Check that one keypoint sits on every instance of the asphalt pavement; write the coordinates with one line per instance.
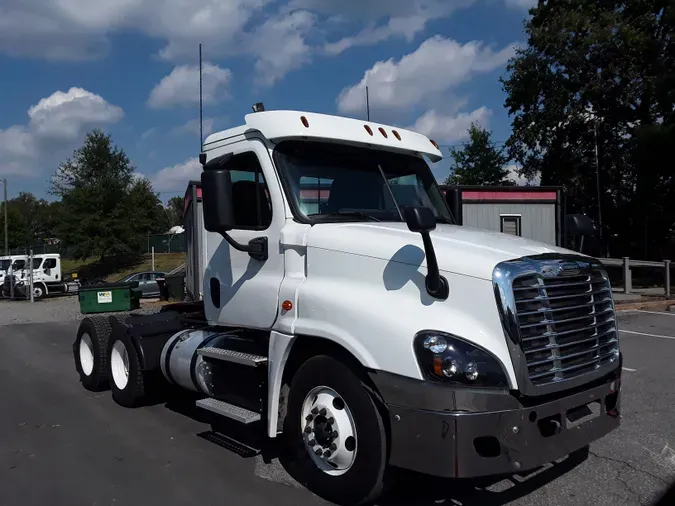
(63, 446)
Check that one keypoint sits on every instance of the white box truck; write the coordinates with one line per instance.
(346, 315)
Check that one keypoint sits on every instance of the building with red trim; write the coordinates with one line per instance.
(533, 212)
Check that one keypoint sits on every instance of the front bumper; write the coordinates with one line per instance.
(475, 440)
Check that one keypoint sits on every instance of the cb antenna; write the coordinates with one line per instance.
(367, 104)
(201, 108)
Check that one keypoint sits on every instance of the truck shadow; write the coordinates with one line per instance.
(407, 489)
(413, 489)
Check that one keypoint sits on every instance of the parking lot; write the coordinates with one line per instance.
(62, 445)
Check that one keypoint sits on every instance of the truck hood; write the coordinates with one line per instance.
(461, 250)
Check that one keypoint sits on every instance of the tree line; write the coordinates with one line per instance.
(591, 98)
(103, 207)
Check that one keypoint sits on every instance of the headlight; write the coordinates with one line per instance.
(449, 359)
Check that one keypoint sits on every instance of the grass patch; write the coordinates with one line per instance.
(114, 268)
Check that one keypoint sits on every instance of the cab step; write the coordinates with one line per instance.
(228, 410)
(237, 357)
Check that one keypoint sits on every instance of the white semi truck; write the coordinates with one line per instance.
(346, 315)
(47, 276)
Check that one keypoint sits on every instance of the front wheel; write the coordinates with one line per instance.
(335, 433)
(39, 291)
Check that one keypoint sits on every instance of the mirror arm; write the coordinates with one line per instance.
(256, 248)
(437, 286)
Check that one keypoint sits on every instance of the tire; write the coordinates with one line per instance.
(362, 480)
(90, 351)
(39, 291)
(127, 381)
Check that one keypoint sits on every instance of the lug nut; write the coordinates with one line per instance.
(330, 421)
(311, 442)
(315, 411)
(309, 418)
(333, 447)
(327, 454)
(334, 433)
(323, 412)
(308, 430)
(318, 452)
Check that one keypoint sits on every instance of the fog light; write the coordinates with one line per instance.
(471, 371)
(436, 344)
(449, 368)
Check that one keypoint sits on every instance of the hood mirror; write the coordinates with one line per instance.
(422, 221)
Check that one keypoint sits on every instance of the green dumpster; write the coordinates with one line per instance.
(109, 298)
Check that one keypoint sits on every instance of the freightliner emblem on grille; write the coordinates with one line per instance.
(566, 269)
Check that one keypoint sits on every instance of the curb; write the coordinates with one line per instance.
(661, 305)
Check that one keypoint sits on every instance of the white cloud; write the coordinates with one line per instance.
(176, 177)
(386, 19)
(56, 124)
(438, 65)
(191, 127)
(521, 4)
(78, 29)
(181, 86)
(521, 180)
(280, 45)
(444, 128)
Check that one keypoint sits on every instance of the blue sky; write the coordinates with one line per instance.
(130, 67)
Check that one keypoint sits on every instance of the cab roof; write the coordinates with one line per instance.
(278, 126)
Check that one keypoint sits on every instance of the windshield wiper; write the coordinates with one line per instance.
(347, 213)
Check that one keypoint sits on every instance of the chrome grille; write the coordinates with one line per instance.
(566, 324)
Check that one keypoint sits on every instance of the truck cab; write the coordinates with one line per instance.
(378, 332)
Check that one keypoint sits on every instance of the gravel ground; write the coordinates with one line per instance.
(57, 309)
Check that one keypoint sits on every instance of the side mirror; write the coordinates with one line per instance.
(218, 209)
(217, 200)
(420, 219)
(423, 221)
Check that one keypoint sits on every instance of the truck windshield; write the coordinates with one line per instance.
(335, 182)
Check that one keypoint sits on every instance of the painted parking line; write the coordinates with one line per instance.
(629, 369)
(648, 335)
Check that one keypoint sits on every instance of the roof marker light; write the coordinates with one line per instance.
(304, 121)
(368, 129)
(435, 144)
(384, 134)
(396, 134)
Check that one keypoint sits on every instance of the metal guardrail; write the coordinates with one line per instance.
(627, 263)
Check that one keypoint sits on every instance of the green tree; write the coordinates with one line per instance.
(479, 162)
(106, 209)
(29, 220)
(600, 74)
(174, 211)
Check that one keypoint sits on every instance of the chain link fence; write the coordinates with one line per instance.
(162, 243)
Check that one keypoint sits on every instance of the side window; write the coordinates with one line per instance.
(37, 262)
(250, 196)
(510, 224)
(144, 277)
(50, 263)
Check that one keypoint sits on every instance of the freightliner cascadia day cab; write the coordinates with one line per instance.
(346, 315)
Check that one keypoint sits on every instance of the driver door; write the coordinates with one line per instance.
(240, 290)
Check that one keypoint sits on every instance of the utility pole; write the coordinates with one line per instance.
(4, 181)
